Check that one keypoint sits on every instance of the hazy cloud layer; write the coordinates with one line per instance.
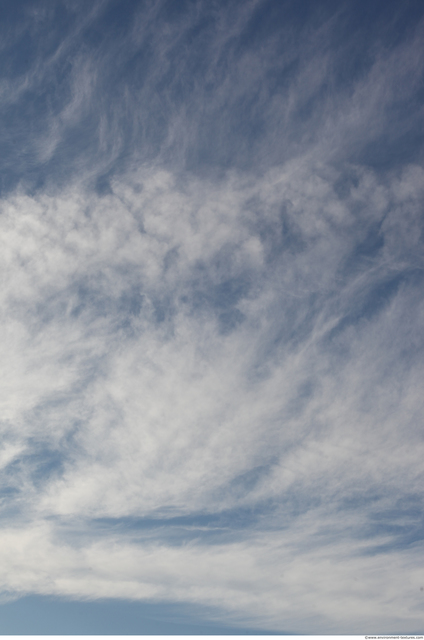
(211, 310)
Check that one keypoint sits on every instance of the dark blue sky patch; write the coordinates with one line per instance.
(164, 309)
(246, 482)
(41, 462)
(230, 320)
(395, 150)
(103, 186)
(218, 528)
(283, 236)
(366, 249)
(44, 465)
(212, 292)
(373, 300)
(90, 299)
(402, 524)
(304, 394)
(45, 615)
(229, 519)
(294, 323)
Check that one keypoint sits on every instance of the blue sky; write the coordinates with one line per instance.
(211, 365)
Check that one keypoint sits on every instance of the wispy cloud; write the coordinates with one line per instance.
(198, 348)
(211, 311)
(204, 88)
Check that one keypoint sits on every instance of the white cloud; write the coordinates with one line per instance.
(271, 579)
(118, 362)
(221, 344)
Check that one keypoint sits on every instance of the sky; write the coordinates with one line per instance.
(211, 314)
